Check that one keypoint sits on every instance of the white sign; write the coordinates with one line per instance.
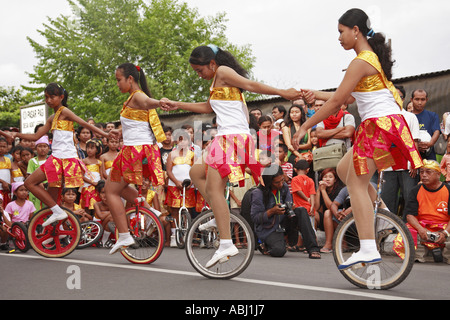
(32, 115)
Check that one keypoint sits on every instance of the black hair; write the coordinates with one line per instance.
(281, 109)
(269, 173)
(377, 40)
(167, 129)
(129, 69)
(64, 190)
(97, 144)
(55, 89)
(100, 185)
(288, 121)
(284, 147)
(203, 55)
(418, 90)
(301, 164)
(264, 119)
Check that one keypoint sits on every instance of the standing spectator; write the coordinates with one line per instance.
(5, 172)
(281, 156)
(337, 128)
(257, 113)
(278, 114)
(42, 149)
(402, 180)
(166, 146)
(266, 134)
(445, 164)
(429, 124)
(295, 118)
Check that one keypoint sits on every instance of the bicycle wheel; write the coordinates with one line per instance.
(56, 240)
(200, 252)
(184, 220)
(91, 232)
(390, 230)
(148, 234)
(20, 236)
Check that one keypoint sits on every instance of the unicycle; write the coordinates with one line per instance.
(147, 232)
(390, 232)
(56, 240)
(184, 219)
(199, 253)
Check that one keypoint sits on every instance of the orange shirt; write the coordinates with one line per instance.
(431, 205)
(306, 185)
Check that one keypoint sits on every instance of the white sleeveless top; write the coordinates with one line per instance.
(231, 110)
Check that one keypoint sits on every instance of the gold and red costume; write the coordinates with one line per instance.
(383, 135)
(63, 168)
(140, 156)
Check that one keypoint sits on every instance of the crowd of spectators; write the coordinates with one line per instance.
(317, 195)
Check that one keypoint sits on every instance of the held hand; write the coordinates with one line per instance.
(298, 136)
(308, 96)
(167, 105)
(114, 134)
(292, 94)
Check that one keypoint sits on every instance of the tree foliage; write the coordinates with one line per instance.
(83, 51)
(11, 99)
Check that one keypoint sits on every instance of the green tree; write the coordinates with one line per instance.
(83, 51)
(11, 99)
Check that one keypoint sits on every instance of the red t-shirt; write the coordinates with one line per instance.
(306, 185)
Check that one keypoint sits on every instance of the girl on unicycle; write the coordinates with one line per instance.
(63, 168)
(140, 155)
(383, 138)
(232, 148)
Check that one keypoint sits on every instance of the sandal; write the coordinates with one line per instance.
(314, 255)
(326, 250)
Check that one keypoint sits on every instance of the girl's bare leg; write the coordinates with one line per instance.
(32, 183)
(361, 194)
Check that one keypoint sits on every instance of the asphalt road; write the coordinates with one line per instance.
(92, 274)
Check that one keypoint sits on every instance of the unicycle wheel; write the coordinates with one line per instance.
(56, 240)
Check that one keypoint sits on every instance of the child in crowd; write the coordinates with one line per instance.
(103, 214)
(108, 157)
(303, 188)
(445, 163)
(20, 208)
(314, 139)
(179, 162)
(282, 160)
(5, 171)
(25, 156)
(68, 200)
(89, 194)
(42, 149)
(16, 174)
(266, 133)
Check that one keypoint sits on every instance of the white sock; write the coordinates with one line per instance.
(124, 235)
(105, 236)
(367, 246)
(225, 244)
(57, 210)
(173, 231)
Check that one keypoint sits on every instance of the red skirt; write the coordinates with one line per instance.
(133, 163)
(231, 154)
(175, 197)
(67, 173)
(387, 140)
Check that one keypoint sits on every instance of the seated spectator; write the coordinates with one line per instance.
(270, 218)
(427, 211)
(103, 214)
(329, 187)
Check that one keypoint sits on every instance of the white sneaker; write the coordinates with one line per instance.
(55, 217)
(358, 257)
(208, 225)
(122, 244)
(222, 256)
(173, 242)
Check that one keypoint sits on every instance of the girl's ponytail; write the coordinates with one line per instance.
(138, 75)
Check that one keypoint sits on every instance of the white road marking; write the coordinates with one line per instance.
(148, 268)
